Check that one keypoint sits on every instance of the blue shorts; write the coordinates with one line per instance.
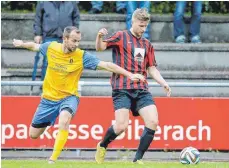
(132, 99)
(48, 110)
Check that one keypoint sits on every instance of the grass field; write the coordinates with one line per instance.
(113, 164)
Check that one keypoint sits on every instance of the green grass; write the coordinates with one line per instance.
(112, 164)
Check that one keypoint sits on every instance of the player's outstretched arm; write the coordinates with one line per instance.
(109, 66)
(28, 45)
(155, 74)
(100, 45)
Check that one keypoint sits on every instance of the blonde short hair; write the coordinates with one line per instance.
(141, 14)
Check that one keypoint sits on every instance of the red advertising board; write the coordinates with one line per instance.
(199, 122)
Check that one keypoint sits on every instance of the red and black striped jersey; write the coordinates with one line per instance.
(133, 54)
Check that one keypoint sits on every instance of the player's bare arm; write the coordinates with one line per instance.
(109, 66)
(100, 45)
(28, 45)
(155, 74)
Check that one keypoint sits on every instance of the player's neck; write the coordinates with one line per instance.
(134, 34)
(64, 49)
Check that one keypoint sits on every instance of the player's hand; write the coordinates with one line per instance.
(167, 90)
(137, 77)
(38, 39)
(102, 32)
(17, 43)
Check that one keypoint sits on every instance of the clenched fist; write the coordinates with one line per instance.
(17, 43)
(102, 32)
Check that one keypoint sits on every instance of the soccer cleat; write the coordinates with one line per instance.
(139, 162)
(100, 154)
(51, 161)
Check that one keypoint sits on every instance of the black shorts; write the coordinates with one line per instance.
(133, 99)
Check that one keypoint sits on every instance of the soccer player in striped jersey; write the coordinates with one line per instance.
(60, 95)
(135, 54)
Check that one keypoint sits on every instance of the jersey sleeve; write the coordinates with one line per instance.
(90, 61)
(151, 60)
(44, 48)
(113, 40)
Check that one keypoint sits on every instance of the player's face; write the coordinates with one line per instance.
(139, 27)
(72, 42)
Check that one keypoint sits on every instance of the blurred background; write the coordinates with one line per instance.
(157, 7)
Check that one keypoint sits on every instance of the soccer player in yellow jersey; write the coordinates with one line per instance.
(60, 88)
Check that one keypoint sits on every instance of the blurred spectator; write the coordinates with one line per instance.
(194, 31)
(50, 20)
(131, 6)
(97, 7)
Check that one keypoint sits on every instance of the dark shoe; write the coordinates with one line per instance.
(122, 11)
(94, 11)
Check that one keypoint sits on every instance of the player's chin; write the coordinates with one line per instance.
(72, 49)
